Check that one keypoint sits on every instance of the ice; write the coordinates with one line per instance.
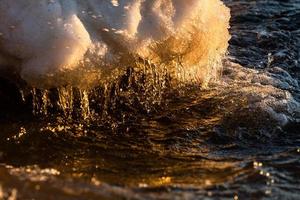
(47, 41)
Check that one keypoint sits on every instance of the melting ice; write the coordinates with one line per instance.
(49, 40)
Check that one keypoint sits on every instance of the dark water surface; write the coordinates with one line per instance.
(217, 143)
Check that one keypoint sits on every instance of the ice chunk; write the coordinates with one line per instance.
(48, 37)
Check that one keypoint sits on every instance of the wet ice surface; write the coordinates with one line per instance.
(79, 42)
(225, 142)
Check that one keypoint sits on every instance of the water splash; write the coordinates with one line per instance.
(97, 53)
(145, 86)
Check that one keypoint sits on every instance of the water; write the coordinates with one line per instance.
(237, 138)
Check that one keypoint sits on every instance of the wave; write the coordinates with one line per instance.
(95, 59)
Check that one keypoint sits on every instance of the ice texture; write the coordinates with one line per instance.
(41, 39)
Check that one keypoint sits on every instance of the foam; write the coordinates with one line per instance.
(267, 97)
(53, 39)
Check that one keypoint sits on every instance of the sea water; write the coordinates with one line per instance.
(166, 123)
